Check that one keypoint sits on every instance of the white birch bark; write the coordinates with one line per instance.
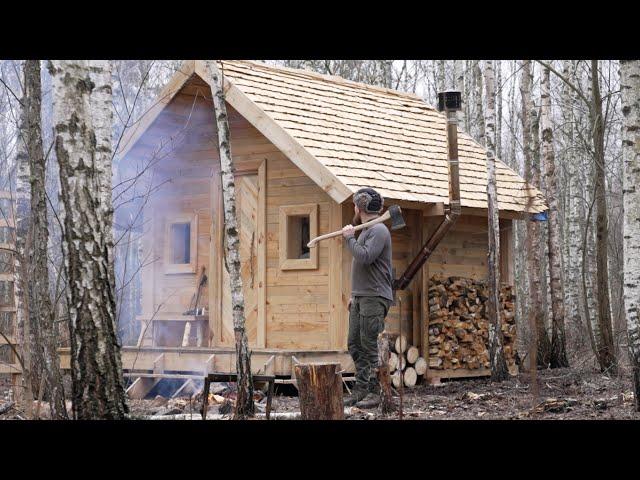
(530, 147)
(477, 75)
(23, 194)
(630, 88)
(558, 355)
(98, 387)
(498, 365)
(244, 403)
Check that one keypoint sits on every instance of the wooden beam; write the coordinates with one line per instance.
(336, 306)
(141, 387)
(188, 384)
(288, 145)
(261, 340)
(132, 134)
(210, 365)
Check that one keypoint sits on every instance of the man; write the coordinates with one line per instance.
(371, 294)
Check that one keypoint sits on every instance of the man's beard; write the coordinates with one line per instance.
(357, 219)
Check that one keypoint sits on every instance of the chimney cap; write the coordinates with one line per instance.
(449, 100)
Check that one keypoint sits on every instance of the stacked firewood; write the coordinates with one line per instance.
(405, 363)
(458, 325)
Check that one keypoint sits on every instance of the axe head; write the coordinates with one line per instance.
(396, 217)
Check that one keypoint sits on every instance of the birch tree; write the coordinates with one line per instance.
(532, 241)
(41, 314)
(244, 402)
(499, 370)
(96, 368)
(558, 354)
(607, 356)
(23, 324)
(630, 87)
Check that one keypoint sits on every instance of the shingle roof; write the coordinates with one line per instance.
(370, 136)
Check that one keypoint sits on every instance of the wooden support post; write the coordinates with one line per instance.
(386, 404)
(187, 334)
(141, 387)
(209, 366)
(320, 391)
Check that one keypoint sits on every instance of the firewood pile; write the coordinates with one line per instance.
(458, 325)
(405, 363)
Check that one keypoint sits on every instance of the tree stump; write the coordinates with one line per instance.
(386, 403)
(320, 391)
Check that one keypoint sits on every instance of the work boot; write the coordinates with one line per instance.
(355, 397)
(372, 400)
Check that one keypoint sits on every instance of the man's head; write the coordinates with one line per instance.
(368, 202)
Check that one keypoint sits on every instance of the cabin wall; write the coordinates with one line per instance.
(294, 305)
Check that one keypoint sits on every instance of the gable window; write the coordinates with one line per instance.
(180, 244)
(298, 225)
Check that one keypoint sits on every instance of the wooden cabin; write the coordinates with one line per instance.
(302, 143)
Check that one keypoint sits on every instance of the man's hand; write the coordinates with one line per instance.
(348, 231)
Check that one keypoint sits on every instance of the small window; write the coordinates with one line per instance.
(298, 225)
(6, 293)
(180, 244)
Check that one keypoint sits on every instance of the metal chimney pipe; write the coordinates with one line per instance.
(449, 101)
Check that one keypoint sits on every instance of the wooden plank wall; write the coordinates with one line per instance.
(297, 303)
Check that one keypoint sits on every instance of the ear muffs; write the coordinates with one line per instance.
(368, 200)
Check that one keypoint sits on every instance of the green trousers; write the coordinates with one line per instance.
(366, 321)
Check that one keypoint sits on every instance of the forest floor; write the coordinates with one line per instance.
(562, 394)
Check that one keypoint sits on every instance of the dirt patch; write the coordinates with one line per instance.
(562, 395)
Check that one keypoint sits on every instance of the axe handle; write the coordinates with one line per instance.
(382, 218)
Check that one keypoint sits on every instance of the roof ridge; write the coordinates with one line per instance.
(333, 79)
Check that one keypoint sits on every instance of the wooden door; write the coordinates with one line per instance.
(247, 195)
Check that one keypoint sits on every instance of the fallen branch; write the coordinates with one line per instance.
(6, 407)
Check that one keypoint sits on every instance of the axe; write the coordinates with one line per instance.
(393, 212)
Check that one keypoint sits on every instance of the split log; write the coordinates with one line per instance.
(401, 344)
(320, 391)
(410, 377)
(393, 359)
(396, 378)
(458, 332)
(412, 354)
(401, 362)
(420, 366)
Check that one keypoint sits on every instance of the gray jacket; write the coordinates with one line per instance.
(371, 273)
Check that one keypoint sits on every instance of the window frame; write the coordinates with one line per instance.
(177, 268)
(286, 212)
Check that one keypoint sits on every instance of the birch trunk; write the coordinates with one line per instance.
(606, 352)
(20, 285)
(574, 315)
(458, 78)
(499, 370)
(244, 403)
(558, 354)
(499, 110)
(96, 368)
(101, 101)
(477, 75)
(630, 87)
(41, 313)
(535, 311)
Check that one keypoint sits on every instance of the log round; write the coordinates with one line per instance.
(393, 361)
(420, 366)
(401, 362)
(396, 378)
(412, 354)
(320, 391)
(401, 344)
(410, 377)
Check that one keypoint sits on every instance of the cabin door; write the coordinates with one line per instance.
(247, 215)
